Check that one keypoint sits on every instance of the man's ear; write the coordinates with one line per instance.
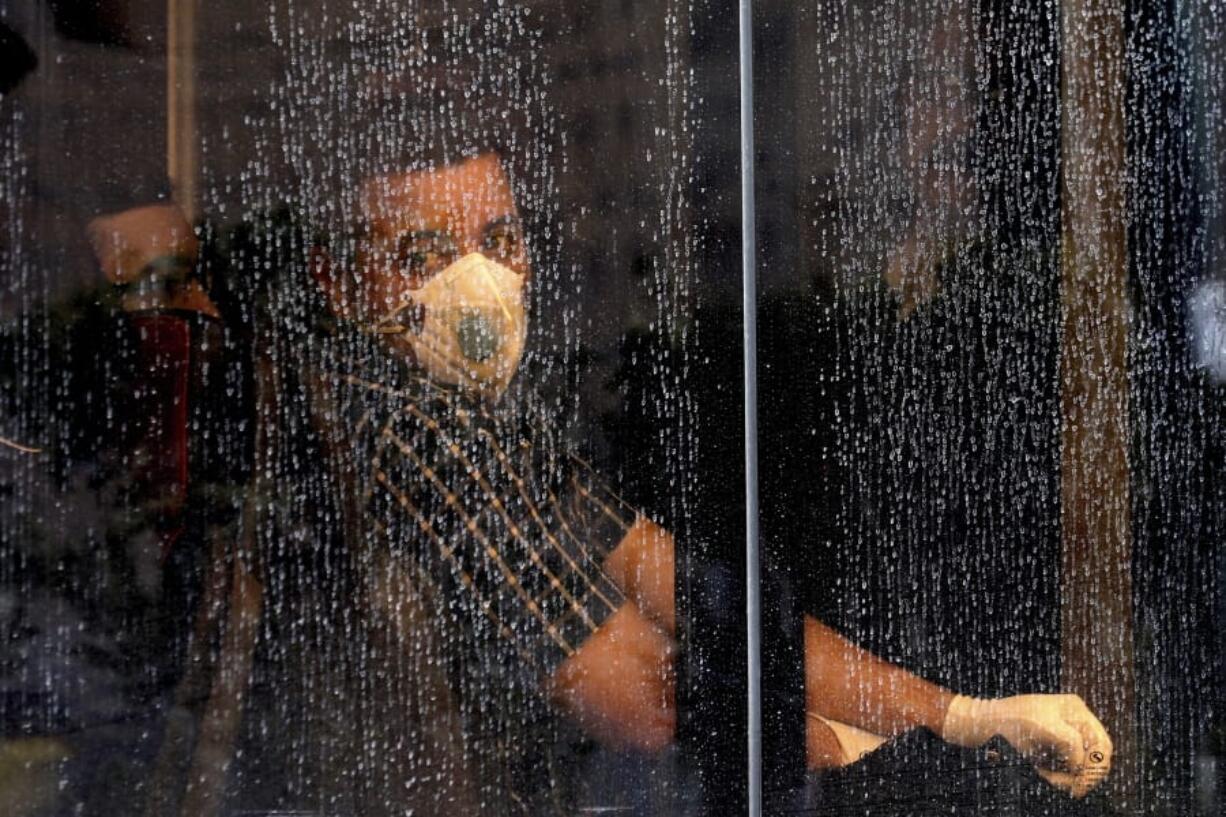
(328, 279)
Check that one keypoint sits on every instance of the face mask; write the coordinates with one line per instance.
(465, 326)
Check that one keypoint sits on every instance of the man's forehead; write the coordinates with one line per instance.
(472, 190)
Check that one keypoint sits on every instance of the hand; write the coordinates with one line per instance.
(619, 684)
(137, 247)
(126, 242)
(1058, 733)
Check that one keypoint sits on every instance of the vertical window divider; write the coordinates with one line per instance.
(750, 354)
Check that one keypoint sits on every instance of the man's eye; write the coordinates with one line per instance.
(502, 243)
(420, 259)
(423, 262)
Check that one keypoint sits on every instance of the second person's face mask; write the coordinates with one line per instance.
(466, 326)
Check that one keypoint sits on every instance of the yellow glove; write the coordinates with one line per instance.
(1058, 733)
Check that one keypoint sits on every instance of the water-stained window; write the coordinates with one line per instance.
(655, 408)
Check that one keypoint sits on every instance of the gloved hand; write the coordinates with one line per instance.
(1058, 733)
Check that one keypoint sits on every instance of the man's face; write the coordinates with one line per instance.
(419, 223)
(440, 271)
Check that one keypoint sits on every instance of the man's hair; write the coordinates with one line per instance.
(371, 90)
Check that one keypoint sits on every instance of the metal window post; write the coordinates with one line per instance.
(749, 315)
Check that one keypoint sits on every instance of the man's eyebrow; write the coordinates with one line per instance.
(510, 219)
(425, 235)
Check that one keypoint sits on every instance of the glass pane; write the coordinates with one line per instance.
(991, 423)
(361, 363)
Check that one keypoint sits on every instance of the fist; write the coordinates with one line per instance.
(620, 685)
(126, 243)
(142, 245)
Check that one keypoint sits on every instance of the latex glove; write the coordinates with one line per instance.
(1058, 733)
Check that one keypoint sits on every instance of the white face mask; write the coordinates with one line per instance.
(473, 328)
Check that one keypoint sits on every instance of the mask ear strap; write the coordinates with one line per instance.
(385, 327)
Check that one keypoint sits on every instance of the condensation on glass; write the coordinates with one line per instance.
(321, 321)
(990, 413)
(371, 430)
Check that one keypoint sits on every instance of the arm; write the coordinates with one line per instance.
(620, 683)
(846, 683)
(848, 686)
(843, 682)
(642, 566)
